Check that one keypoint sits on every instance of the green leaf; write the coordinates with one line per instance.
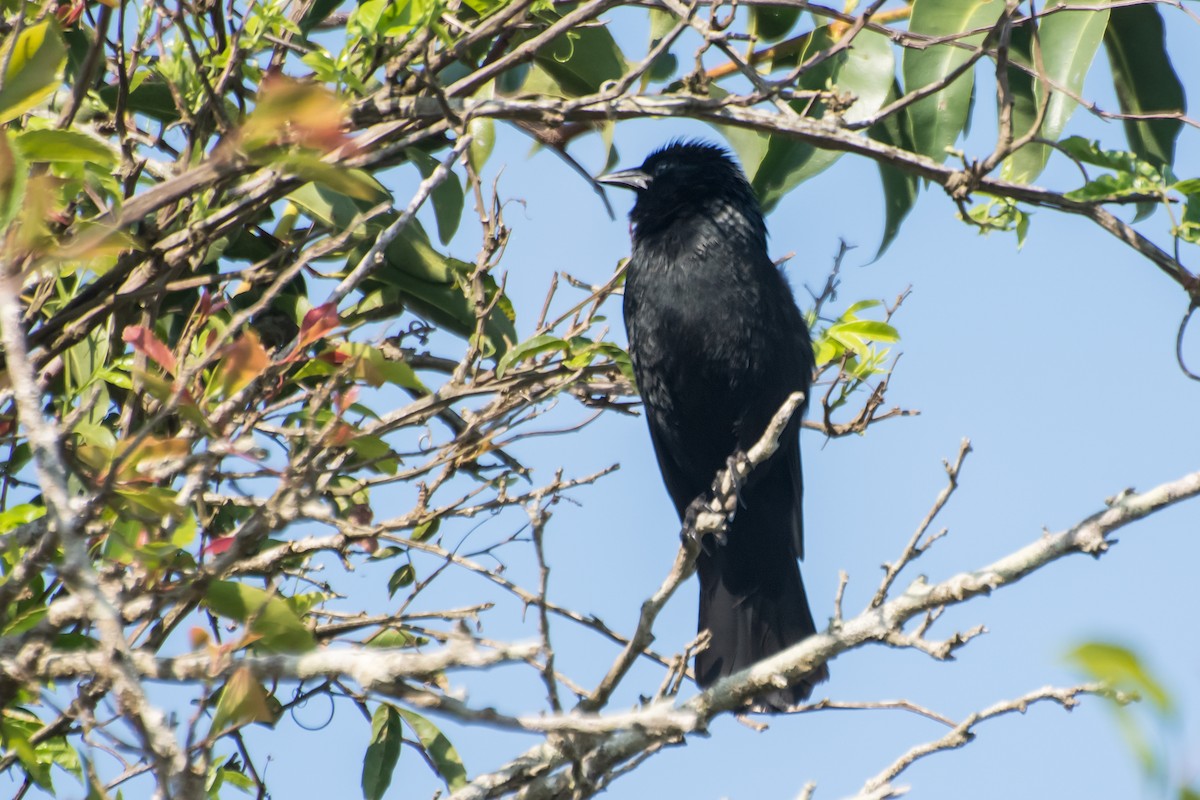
(351, 182)
(64, 146)
(1122, 668)
(529, 348)
(1068, 43)
(870, 329)
(14, 174)
(447, 197)
(483, 139)
(443, 755)
(576, 63)
(401, 578)
(777, 164)
(383, 753)
(771, 23)
(269, 616)
(34, 60)
(243, 700)
(316, 13)
(372, 366)
(900, 188)
(1189, 222)
(414, 273)
(1145, 81)
(20, 515)
(938, 119)
(149, 95)
(1189, 186)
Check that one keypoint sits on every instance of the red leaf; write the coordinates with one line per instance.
(145, 342)
(345, 400)
(317, 322)
(218, 546)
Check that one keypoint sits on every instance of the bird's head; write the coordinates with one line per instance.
(683, 179)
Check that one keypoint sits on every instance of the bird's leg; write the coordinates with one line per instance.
(737, 467)
(705, 523)
(711, 513)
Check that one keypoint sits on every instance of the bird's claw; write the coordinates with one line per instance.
(705, 526)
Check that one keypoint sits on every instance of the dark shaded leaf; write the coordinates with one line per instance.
(383, 753)
(576, 63)
(1145, 81)
(900, 188)
(447, 197)
(771, 23)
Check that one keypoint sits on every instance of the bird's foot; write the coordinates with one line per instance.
(705, 525)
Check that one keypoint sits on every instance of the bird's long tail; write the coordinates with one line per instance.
(752, 600)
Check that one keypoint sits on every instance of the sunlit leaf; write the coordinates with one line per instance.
(243, 361)
(243, 700)
(351, 182)
(19, 515)
(292, 111)
(270, 617)
(938, 119)
(528, 349)
(1121, 667)
(13, 174)
(777, 164)
(316, 324)
(64, 146)
(34, 59)
(1063, 50)
(443, 755)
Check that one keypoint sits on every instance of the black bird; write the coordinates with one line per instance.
(718, 344)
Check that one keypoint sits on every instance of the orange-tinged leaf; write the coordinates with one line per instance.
(243, 700)
(151, 451)
(342, 435)
(317, 322)
(295, 112)
(344, 400)
(143, 340)
(244, 360)
(198, 637)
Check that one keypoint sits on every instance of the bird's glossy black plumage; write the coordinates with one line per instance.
(718, 344)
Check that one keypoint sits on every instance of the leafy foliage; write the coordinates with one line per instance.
(245, 332)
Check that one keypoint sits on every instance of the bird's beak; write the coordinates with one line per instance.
(627, 178)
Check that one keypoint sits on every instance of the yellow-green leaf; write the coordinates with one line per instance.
(269, 616)
(34, 61)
